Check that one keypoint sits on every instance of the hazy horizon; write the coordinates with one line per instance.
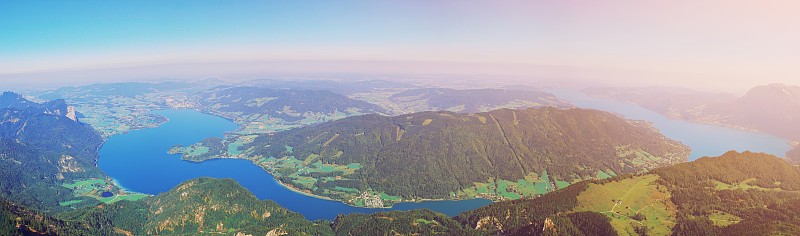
(620, 42)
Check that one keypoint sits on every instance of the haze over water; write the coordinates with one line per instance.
(705, 140)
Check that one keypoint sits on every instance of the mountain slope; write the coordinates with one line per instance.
(734, 194)
(416, 222)
(503, 154)
(207, 205)
(773, 109)
(41, 147)
(202, 206)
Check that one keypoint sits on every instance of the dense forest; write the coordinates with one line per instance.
(200, 206)
(760, 190)
(432, 154)
(415, 222)
(734, 194)
(794, 154)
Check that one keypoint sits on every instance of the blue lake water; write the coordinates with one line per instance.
(139, 161)
(705, 140)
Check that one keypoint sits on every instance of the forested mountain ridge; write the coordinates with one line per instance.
(734, 194)
(202, 206)
(375, 160)
(13, 101)
(41, 147)
(414, 222)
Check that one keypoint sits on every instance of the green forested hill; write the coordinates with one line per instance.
(415, 222)
(503, 154)
(202, 206)
(436, 154)
(734, 194)
(221, 205)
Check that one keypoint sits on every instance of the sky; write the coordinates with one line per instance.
(726, 44)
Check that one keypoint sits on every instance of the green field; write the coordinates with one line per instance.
(605, 175)
(744, 185)
(301, 174)
(93, 188)
(67, 203)
(233, 148)
(533, 185)
(424, 221)
(722, 219)
(126, 197)
(84, 183)
(387, 197)
(632, 202)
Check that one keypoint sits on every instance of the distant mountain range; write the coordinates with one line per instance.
(346, 88)
(772, 109)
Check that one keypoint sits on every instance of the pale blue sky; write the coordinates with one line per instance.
(131, 31)
(704, 42)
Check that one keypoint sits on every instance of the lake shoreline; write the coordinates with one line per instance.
(299, 191)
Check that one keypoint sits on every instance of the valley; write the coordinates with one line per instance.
(395, 118)
(344, 165)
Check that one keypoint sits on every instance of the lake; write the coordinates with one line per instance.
(139, 162)
(705, 140)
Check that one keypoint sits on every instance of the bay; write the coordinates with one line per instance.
(139, 162)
